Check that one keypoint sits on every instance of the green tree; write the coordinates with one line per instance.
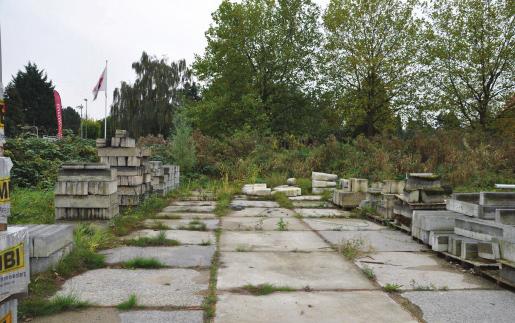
(182, 149)
(91, 129)
(30, 102)
(371, 54)
(471, 57)
(71, 120)
(259, 54)
(148, 105)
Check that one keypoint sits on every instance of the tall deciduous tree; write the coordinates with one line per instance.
(71, 120)
(148, 106)
(472, 57)
(260, 53)
(30, 102)
(371, 57)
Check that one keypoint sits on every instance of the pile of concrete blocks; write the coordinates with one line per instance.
(165, 178)
(352, 192)
(321, 182)
(289, 191)
(86, 191)
(389, 192)
(373, 196)
(48, 244)
(172, 176)
(256, 190)
(422, 191)
(131, 164)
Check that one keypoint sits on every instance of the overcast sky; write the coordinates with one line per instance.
(71, 39)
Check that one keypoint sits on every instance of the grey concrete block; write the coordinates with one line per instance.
(45, 239)
(411, 196)
(315, 183)
(488, 250)
(87, 201)
(469, 249)
(41, 264)
(393, 186)
(416, 181)
(497, 199)
(439, 241)
(478, 229)
(323, 176)
(505, 216)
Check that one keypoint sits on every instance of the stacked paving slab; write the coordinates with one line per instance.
(86, 191)
(131, 164)
(351, 193)
(256, 190)
(422, 191)
(321, 182)
(390, 190)
(165, 178)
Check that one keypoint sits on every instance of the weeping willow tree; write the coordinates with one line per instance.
(148, 106)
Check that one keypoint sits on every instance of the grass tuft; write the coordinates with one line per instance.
(194, 225)
(266, 289)
(282, 225)
(369, 272)
(146, 263)
(129, 304)
(41, 307)
(392, 288)
(351, 249)
(159, 240)
(283, 200)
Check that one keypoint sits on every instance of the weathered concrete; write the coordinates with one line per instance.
(194, 203)
(505, 199)
(306, 198)
(465, 306)
(261, 224)
(287, 190)
(45, 239)
(342, 224)
(302, 307)
(505, 216)
(184, 215)
(348, 199)
(317, 176)
(383, 240)
(321, 190)
(272, 241)
(162, 316)
(89, 315)
(439, 240)
(163, 287)
(412, 270)
(181, 256)
(211, 224)
(250, 203)
(313, 204)
(323, 184)
(263, 212)
(488, 250)
(295, 270)
(319, 213)
(189, 208)
(40, 264)
(183, 236)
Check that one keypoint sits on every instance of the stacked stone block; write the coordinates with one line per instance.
(164, 178)
(172, 176)
(321, 182)
(352, 192)
(422, 191)
(131, 164)
(390, 189)
(86, 191)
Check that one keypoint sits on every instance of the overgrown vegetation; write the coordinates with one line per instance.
(130, 303)
(33, 206)
(209, 303)
(392, 288)
(194, 225)
(39, 307)
(266, 289)
(282, 225)
(146, 263)
(283, 200)
(369, 272)
(154, 241)
(352, 248)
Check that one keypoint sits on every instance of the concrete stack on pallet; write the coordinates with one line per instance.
(165, 178)
(373, 196)
(256, 190)
(86, 191)
(390, 189)
(172, 176)
(422, 191)
(321, 182)
(352, 192)
(130, 162)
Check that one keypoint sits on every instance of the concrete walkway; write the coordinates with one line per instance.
(262, 244)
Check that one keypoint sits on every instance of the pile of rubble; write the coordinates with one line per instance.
(131, 164)
(86, 191)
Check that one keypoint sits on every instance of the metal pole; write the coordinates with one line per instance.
(86, 100)
(80, 107)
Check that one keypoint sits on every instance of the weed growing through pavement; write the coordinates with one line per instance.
(129, 304)
(158, 225)
(283, 200)
(40, 306)
(159, 240)
(351, 249)
(392, 288)
(205, 243)
(146, 263)
(194, 225)
(266, 289)
(369, 272)
(242, 248)
(282, 225)
(209, 303)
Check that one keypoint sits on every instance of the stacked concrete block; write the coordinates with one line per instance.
(352, 193)
(172, 176)
(390, 189)
(426, 223)
(133, 171)
(422, 191)
(86, 191)
(164, 178)
(289, 191)
(373, 196)
(256, 190)
(321, 182)
(48, 244)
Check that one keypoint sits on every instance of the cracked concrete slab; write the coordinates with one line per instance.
(162, 317)
(180, 256)
(162, 287)
(261, 224)
(321, 213)
(313, 204)
(295, 270)
(262, 212)
(89, 315)
(414, 270)
(302, 307)
(251, 203)
(379, 240)
(184, 215)
(183, 236)
(272, 241)
(306, 198)
(190, 208)
(211, 224)
(465, 305)
(193, 203)
(342, 224)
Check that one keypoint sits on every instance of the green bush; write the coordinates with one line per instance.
(32, 206)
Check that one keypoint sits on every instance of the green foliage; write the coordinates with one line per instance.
(351, 249)
(369, 272)
(158, 240)
(194, 225)
(129, 304)
(392, 288)
(305, 185)
(71, 120)
(182, 146)
(32, 206)
(41, 307)
(30, 101)
(146, 263)
(275, 179)
(36, 160)
(283, 200)
(282, 225)
(91, 129)
(266, 289)
(132, 219)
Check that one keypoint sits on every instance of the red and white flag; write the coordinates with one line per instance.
(101, 84)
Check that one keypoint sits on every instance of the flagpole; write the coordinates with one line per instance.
(105, 108)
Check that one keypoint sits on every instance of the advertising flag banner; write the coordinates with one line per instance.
(58, 113)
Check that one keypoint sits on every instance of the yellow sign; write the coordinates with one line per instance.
(5, 193)
(12, 259)
(8, 318)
